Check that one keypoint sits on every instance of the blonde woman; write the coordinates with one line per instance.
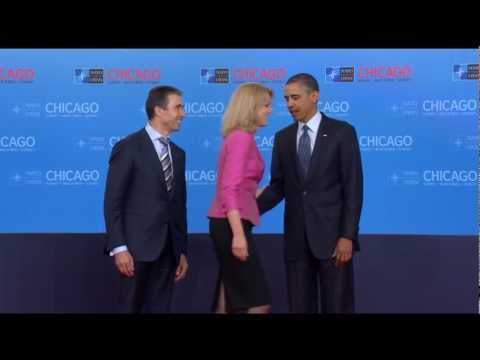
(242, 285)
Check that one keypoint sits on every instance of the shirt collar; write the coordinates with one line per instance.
(154, 134)
(314, 123)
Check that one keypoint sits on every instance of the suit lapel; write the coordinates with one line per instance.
(317, 161)
(176, 159)
(292, 151)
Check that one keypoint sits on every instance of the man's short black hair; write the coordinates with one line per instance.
(306, 80)
(158, 96)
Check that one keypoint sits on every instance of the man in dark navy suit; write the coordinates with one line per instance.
(316, 167)
(145, 207)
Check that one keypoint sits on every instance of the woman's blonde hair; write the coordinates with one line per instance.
(243, 107)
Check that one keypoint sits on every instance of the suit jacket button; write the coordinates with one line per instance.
(304, 193)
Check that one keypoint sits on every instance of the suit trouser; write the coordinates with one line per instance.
(336, 285)
(150, 289)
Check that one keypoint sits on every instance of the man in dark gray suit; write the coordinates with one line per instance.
(316, 166)
(145, 207)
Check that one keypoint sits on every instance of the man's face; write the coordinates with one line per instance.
(171, 117)
(301, 103)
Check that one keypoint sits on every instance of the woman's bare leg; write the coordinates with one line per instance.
(262, 309)
(221, 303)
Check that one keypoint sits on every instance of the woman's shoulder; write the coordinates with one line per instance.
(239, 135)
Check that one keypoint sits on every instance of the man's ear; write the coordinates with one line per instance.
(157, 110)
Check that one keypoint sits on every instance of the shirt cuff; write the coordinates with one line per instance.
(118, 250)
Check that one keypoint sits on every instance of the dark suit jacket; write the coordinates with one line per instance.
(139, 212)
(327, 202)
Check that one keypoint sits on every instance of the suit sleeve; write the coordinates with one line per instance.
(352, 184)
(274, 192)
(119, 172)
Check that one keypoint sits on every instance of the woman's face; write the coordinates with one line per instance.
(264, 112)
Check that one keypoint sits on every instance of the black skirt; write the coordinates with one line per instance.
(244, 281)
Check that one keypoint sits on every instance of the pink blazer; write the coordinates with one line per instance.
(240, 169)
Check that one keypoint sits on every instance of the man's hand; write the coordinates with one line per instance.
(182, 268)
(124, 263)
(343, 251)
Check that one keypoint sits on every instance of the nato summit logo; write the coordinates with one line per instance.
(87, 76)
(466, 72)
(339, 74)
(214, 76)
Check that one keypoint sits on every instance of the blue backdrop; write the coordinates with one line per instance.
(415, 112)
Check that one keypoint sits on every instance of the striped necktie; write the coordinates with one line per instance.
(166, 163)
